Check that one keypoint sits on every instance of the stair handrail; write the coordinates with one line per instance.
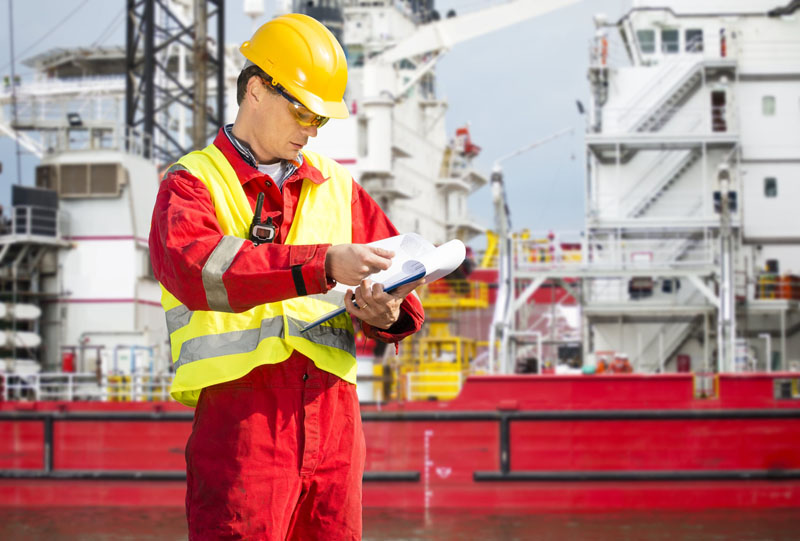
(647, 89)
(654, 166)
(693, 67)
(684, 160)
(686, 157)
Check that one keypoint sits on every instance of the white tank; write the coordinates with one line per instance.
(20, 312)
(19, 339)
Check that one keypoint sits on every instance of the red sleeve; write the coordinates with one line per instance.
(185, 232)
(370, 223)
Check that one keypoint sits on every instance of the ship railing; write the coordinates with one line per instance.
(68, 386)
(57, 104)
(136, 387)
(455, 293)
(644, 290)
(49, 386)
(441, 385)
(30, 222)
(776, 286)
(625, 254)
(36, 86)
(108, 136)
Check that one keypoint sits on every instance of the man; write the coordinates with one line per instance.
(277, 448)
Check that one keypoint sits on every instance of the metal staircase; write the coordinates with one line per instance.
(24, 241)
(657, 102)
(662, 347)
(675, 163)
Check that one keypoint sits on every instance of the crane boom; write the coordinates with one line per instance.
(443, 34)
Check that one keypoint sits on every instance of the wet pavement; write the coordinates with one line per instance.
(167, 524)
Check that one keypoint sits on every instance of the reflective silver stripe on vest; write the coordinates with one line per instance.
(176, 167)
(325, 335)
(229, 343)
(218, 262)
(177, 318)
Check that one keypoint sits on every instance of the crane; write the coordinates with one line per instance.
(503, 318)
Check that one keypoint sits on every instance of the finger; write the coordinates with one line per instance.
(348, 302)
(365, 289)
(382, 252)
(379, 297)
(360, 302)
(379, 261)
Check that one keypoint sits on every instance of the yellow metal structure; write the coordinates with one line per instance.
(434, 364)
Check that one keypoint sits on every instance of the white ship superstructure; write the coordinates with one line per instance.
(693, 151)
(693, 155)
(101, 304)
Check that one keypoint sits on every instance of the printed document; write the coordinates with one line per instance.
(414, 257)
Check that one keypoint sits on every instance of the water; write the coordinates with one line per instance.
(167, 524)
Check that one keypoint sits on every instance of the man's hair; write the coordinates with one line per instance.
(250, 70)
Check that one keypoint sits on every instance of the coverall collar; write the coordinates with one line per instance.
(246, 166)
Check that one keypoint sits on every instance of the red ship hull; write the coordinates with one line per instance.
(534, 443)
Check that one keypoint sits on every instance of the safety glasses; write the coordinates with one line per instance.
(301, 113)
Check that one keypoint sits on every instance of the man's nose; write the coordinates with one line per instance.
(310, 131)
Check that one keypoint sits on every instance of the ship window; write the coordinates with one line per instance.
(74, 180)
(768, 105)
(770, 187)
(104, 179)
(46, 177)
(669, 41)
(694, 40)
(647, 40)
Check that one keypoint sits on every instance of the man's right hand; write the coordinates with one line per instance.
(350, 263)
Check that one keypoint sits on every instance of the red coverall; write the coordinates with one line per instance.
(279, 453)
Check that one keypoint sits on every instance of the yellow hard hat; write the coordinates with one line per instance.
(301, 55)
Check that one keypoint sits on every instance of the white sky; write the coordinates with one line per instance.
(514, 86)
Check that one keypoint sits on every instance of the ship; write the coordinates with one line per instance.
(645, 363)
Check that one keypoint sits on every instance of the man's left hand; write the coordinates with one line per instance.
(376, 307)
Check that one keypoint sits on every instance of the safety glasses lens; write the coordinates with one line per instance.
(305, 117)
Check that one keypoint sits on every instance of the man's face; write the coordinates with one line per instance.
(278, 134)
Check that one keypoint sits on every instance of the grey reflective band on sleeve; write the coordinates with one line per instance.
(176, 167)
(332, 296)
(229, 343)
(299, 283)
(325, 335)
(178, 318)
(218, 262)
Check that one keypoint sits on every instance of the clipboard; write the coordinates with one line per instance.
(388, 289)
(414, 258)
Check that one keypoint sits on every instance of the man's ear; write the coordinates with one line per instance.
(255, 88)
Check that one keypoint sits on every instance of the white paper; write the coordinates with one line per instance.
(410, 251)
(412, 255)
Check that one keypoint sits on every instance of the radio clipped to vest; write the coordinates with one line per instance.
(261, 232)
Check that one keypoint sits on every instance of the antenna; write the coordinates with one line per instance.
(14, 88)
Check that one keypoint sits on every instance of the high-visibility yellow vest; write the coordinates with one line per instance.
(210, 347)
